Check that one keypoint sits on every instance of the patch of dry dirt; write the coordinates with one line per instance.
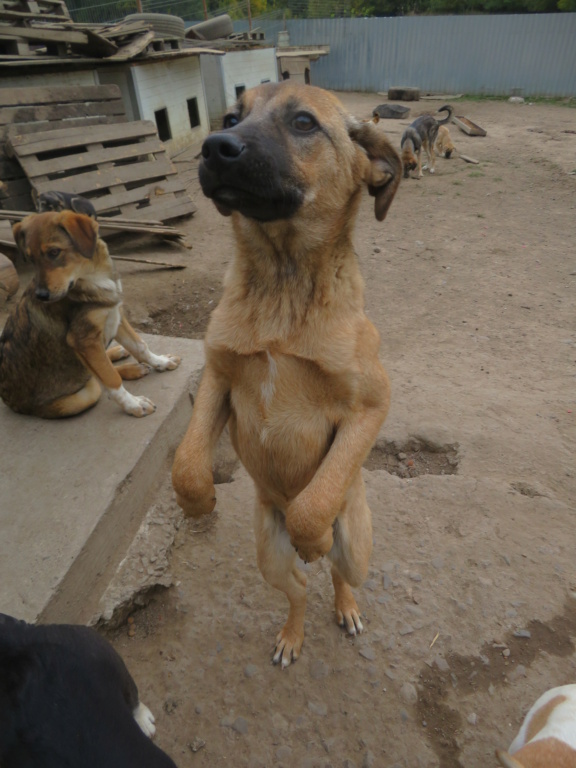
(470, 603)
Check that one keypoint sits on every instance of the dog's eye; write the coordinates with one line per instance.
(53, 253)
(230, 121)
(304, 123)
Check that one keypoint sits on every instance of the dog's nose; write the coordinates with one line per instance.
(42, 294)
(221, 148)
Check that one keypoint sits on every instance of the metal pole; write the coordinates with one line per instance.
(249, 17)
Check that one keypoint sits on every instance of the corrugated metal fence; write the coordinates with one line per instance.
(533, 55)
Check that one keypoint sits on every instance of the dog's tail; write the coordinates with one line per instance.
(450, 110)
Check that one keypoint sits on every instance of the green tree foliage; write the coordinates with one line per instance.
(96, 11)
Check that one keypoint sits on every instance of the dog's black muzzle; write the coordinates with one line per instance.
(248, 174)
(43, 294)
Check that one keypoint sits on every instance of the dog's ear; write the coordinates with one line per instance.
(82, 230)
(19, 233)
(81, 205)
(384, 167)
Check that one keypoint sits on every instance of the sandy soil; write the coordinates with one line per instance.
(470, 603)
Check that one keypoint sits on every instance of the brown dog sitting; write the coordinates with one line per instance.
(53, 355)
(291, 359)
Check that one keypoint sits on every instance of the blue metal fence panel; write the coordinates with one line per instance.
(532, 54)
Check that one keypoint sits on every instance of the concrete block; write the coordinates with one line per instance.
(73, 492)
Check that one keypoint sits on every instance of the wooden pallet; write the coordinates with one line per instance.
(44, 8)
(123, 169)
(31, 110)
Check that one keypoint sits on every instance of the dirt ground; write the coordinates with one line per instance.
(470, 602)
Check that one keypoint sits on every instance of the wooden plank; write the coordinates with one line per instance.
(26, 128)
(125, 197)
(96, 46)
(92, 156)
(166, 212)
(14, 97)
(21, 16)
(117, 224)
(48, 141)
(40, 35)
(59, 112)
(98, 180)
(134, 47)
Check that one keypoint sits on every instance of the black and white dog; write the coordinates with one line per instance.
(68, 701)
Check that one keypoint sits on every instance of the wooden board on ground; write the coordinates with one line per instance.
(123, 169)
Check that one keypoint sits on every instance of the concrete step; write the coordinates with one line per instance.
(73, 492)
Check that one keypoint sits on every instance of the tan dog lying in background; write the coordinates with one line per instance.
(291, 359)
(53, 357)
(547, 738)
(444, 144)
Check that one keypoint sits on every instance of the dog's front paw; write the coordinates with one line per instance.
(145, 720)
(196, 506)
(166, 362)
(142, 406)
(310, 550)
(132, 404)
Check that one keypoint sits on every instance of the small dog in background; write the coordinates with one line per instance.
(547, 737)
(444, 145)
(67, 699)
(421, 134)
(53, 355)
(63, 201)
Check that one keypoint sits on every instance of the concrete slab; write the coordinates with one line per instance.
(73, 492)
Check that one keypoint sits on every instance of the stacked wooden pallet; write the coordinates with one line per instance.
(122, 167)
(41, 31)
(30, 110)
(29, 28)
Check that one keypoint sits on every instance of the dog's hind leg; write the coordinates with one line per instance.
(116, 353)
(71, 405)
(431, 158)
(277, 563)
(419, 162)
(128, 371)
(350, 554)
(131, 371)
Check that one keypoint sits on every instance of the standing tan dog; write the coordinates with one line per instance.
(291, 359)
(53, 355)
